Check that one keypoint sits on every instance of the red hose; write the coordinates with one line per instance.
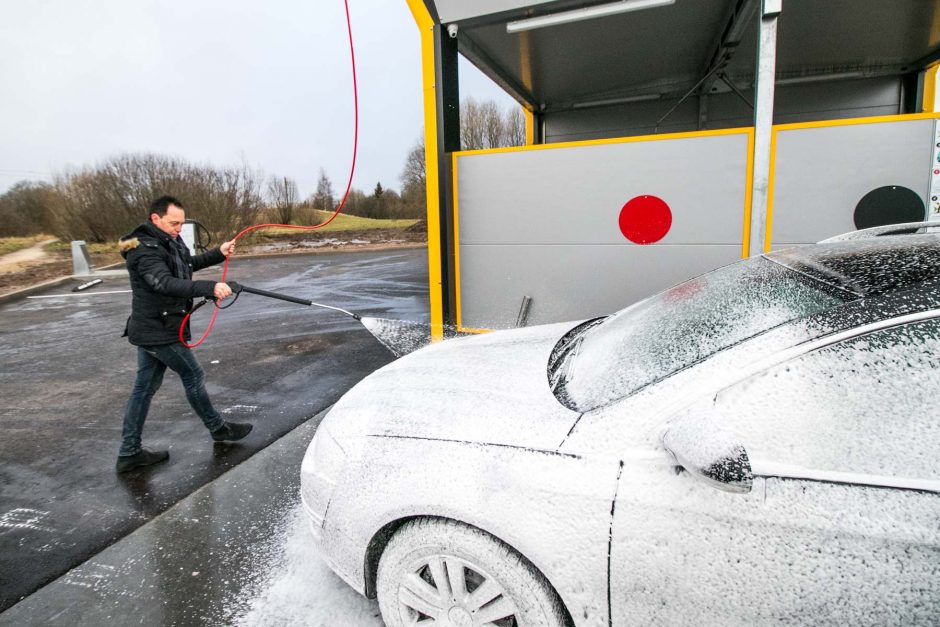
(352, 170)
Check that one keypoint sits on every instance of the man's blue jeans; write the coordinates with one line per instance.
(152, 362)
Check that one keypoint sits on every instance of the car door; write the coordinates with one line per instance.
(842, 523)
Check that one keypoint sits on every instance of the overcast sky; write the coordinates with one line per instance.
(213, 81)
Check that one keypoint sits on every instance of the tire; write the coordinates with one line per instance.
(426, 562)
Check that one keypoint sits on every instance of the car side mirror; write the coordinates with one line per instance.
(709, 452)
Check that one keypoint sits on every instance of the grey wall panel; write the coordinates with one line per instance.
(625, 120)
(793, 103)
(811, 102)
(822, 173)
(572, 282)
(574, 195)
(835, 100)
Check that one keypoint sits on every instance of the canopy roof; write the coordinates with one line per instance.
(667, 51)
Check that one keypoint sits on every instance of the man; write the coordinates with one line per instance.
(161, 270)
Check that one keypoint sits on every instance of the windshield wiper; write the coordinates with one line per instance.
(565, 350)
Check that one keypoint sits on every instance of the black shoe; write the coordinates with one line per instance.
(231, 431)
(141, 458)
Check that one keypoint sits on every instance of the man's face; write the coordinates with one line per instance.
(172, 222)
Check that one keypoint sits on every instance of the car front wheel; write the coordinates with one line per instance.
(459, 576)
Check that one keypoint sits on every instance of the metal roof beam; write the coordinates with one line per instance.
(924, 61)
(730, 38)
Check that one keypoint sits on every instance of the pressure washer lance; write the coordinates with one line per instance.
(238, 287)
(398, 336)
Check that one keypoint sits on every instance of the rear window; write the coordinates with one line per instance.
(661, 335)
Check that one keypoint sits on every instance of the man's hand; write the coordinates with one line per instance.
(228, 249)
(222, 290)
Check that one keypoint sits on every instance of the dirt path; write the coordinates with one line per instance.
(14, 261)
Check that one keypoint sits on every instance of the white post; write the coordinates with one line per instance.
(81, 260)
(189, 237)
(763, 121)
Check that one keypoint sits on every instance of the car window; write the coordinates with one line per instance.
(683, 325)
(865, 405)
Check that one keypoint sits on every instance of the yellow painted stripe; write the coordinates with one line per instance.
(748, 195)
(607, 142)
(529, 126)
(768, 228)
(426, 28)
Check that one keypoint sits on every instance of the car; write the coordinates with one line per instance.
(758, 445)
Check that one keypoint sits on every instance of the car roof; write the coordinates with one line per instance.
(868, 267)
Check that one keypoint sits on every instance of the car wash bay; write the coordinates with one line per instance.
(67, 373)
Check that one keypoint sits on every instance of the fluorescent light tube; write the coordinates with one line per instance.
(576, 15)
(615, 101)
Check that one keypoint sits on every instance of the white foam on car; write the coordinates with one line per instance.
(399, 336)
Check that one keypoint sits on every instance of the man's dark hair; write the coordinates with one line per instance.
(161, 204)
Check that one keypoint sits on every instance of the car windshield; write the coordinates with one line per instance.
(675, 329)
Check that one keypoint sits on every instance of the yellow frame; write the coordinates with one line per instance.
(529, 127)
(749, 177)
(928, 103)
(426, 27)
(779, 128)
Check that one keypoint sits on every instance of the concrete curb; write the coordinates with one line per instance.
(39, 287)
(48, 285)
(32, 289)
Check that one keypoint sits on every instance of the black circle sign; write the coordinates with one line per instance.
(891, 204)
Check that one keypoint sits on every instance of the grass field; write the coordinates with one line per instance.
(342, 223)
(13, 244)
(92, 247)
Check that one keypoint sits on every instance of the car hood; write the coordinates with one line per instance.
(490, 388)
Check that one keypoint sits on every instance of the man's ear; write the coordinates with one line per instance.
(154, 218)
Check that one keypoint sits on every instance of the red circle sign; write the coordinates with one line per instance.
(645, 219)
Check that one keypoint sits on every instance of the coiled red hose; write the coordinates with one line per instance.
(339, 208)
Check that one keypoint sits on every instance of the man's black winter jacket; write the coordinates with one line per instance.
(163, 289)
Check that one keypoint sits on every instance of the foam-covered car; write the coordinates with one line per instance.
(758, 445)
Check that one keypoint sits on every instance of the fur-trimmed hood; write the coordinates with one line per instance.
(126, 245)
(145, 232)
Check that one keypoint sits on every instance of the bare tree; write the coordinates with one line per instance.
(284, 198)
(514, 127)
(472, 125)
(413, 183)
(483, 125)
(493, 125)
(102, 203)
(323, 199)
(25, 209)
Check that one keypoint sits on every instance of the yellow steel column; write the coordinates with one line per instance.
(529, 127)
(426, 27)
(930, 88)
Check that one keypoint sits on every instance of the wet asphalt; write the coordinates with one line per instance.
(238, 551)
(65, 378)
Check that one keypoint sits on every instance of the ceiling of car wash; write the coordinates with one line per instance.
(665, 51)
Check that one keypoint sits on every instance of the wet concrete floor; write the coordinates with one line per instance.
(236, 552)
(66, 375)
